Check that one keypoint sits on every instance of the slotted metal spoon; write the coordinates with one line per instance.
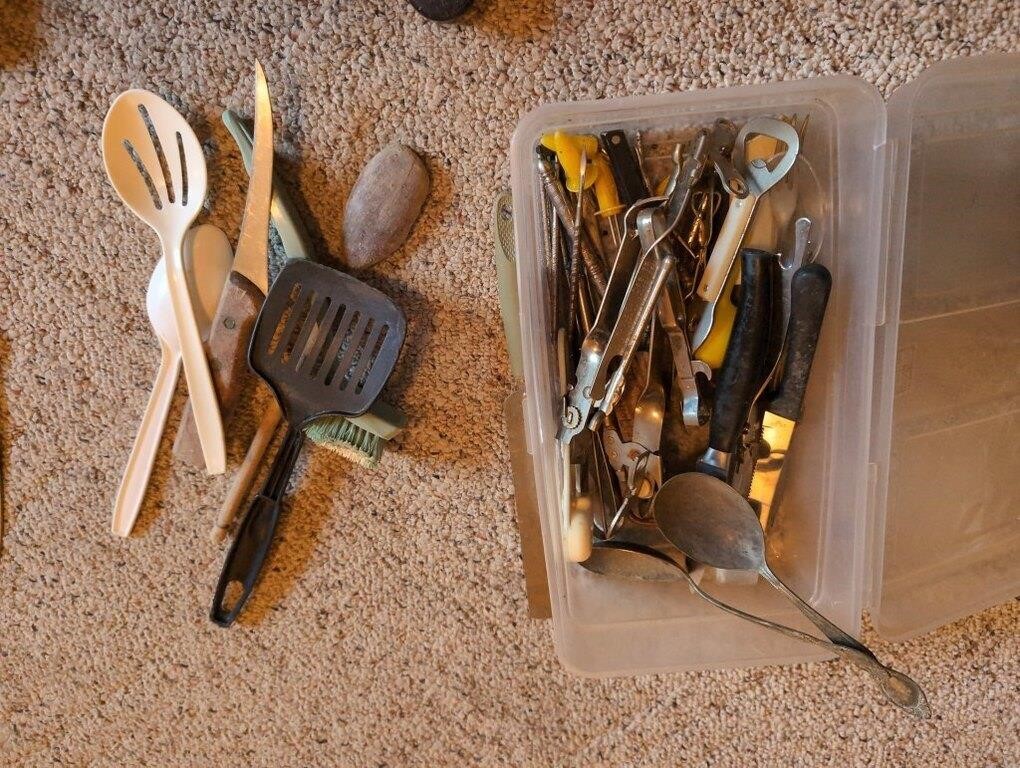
(155, 163)
(325, 343)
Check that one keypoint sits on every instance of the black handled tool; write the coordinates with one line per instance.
(809, 296)
(742, 371)
(325, 343)
(630, 182)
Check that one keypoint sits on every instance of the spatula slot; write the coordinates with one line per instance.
(288, 310)
(326, 338)
(184, 169)
(351, 351)
(361, 375)
(339, 354)
(356, 353)
(293, 329)
(311, 334)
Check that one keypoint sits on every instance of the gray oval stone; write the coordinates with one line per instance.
(383, 206)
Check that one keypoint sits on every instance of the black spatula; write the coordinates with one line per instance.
(326, 343)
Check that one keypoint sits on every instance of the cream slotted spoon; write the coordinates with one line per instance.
(155, 163)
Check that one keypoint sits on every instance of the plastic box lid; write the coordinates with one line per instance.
(945, 451)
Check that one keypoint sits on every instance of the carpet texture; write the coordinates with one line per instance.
(391, 626)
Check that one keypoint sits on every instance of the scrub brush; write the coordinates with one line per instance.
(360, 442)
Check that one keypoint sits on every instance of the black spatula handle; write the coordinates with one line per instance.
(248, 553)
(741, 372)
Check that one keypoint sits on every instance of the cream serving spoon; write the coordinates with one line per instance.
(208, 256)
(156, 164)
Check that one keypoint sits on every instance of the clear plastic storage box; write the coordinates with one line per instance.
(902, 491)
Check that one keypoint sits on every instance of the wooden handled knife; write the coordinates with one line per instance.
(227, 347)
(809, 295)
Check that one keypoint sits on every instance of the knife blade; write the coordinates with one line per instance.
(251, 258)
(242, 297)
(809, 295)
(283, 212)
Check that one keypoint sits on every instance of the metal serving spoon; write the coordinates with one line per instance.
(629, 561)
(637, 561)
(714, 525)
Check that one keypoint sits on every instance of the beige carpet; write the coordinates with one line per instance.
(391, 627)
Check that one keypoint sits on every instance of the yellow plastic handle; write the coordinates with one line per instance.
(713, 348)
(605, 188)
(568, 148)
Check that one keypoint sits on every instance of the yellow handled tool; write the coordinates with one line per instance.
(568, 148)
(605, 188)
(761, 234)
(608, 198)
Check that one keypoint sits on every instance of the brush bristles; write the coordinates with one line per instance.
(347, 439)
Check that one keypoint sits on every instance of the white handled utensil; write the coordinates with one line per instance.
(758, 179)
(155, 163)
(208, 256)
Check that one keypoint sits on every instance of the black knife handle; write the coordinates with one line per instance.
(809, 295)
(630, 182)
(742, 369)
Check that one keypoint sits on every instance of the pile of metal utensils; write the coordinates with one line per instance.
(686, 318)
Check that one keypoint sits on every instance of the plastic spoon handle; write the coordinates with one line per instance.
(898, 688)
(196, 368)
(143, 453)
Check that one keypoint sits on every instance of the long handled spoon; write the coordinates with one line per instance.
(208, 256)
(155, 163)
(714, 525)
(638, 561)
